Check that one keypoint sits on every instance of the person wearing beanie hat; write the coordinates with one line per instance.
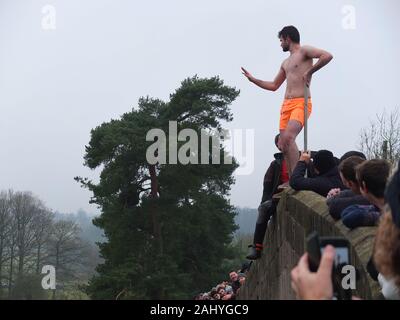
(324, 161)
(327, 173)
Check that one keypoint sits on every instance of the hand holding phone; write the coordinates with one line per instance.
(315, 247)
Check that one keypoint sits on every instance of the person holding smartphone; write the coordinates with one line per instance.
(318, 285)
(327, 174)
(314, 285)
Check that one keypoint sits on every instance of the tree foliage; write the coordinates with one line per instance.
(29, 239)
(168, 227)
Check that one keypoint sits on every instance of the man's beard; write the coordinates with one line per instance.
(285, 49)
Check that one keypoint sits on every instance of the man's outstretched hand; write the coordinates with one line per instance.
(247, 74)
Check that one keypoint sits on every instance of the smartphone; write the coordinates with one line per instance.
(316, 246)
(315, 249)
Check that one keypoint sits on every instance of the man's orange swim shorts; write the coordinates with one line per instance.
(293, 109)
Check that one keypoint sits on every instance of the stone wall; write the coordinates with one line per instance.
(298, 214)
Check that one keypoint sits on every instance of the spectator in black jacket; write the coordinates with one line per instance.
(327, 173)
(276, 175)
(337, 199)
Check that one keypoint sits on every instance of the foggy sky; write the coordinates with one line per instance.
(56, 85)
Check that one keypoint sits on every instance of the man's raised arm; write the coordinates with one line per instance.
(324, 57)
(267, 85)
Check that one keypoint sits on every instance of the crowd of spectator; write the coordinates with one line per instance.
(367, 195)
(360, 193)
(227, 290)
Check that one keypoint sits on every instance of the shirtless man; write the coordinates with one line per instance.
(297, 70)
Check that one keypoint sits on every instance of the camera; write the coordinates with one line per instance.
(315, 248)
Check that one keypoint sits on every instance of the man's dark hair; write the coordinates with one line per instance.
(324, 161)
(374, 173)
(352, 153)
(291, 32)
(348, 167)
(277, 139)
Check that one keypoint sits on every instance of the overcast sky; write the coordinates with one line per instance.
(56, 85)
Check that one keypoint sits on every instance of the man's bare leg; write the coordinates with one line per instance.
(293, 156)
(287, 143)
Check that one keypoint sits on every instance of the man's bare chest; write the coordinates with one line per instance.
(296, 64)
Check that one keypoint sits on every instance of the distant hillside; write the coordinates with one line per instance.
(246, 219)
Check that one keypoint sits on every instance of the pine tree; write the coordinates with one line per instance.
(168, 226)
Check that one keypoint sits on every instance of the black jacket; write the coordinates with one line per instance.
(272, 178)
(320, 184)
